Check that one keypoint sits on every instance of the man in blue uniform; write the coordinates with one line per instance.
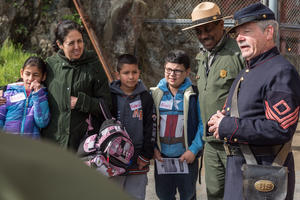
(267, 100)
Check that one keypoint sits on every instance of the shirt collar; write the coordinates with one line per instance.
(262, 57)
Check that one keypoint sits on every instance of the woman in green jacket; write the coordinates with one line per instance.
(75, 81)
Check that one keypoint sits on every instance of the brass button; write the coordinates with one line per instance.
(228, 109)
(235, 140)
(247, 70)
(242, 78)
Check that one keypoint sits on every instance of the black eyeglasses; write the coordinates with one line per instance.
(176, 71)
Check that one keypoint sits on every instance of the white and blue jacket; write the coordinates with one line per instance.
(179, 121)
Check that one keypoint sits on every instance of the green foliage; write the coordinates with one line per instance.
(74, 17)
(21, 29)
(46, 5)
(12, 59)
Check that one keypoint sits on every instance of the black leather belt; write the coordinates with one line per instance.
(234, 150)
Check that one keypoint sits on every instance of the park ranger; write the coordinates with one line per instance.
(219, 62)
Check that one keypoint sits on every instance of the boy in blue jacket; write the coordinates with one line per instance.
(180, 127)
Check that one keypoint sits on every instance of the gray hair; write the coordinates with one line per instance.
(263, 24)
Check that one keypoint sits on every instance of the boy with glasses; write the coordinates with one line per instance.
(179, 127)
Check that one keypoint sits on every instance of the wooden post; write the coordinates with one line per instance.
(93, 38)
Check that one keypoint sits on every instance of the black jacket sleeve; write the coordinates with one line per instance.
(149, 124)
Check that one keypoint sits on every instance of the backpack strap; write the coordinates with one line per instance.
(245, 148)
(105, 111)
(283, 153)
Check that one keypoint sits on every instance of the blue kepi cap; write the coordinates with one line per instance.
(253, 12)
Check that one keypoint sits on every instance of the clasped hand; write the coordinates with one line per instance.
(214, 123)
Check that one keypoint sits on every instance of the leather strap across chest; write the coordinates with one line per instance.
(245, 148)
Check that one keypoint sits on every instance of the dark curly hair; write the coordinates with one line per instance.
(178, 57)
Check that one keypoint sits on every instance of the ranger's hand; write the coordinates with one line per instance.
(214, 123)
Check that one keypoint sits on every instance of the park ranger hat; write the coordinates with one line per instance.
(253, 12)
(205, 13)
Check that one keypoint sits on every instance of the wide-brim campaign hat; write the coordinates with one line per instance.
(204, 13)
(253, 12)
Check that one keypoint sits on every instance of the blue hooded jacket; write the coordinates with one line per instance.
(23, 114)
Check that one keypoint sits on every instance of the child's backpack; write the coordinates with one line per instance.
(110, 150)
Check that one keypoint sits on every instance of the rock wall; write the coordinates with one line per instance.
(118, 24)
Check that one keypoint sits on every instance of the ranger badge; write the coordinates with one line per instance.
(223, 73)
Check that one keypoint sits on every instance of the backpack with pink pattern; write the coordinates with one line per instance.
(110, 150)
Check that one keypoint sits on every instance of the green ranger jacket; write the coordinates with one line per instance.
(83, 78)
(214, 87)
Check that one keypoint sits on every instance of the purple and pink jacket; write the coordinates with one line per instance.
(23, 114)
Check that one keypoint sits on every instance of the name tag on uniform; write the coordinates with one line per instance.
(135, 105)
(17, 97)
(166, 105)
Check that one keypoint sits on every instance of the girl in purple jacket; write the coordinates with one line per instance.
(26, 109)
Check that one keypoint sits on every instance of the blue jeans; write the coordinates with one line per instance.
(166, 184)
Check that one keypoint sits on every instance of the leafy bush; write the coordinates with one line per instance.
(74, 17)
(12, 59)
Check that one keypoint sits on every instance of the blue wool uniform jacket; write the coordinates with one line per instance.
(268, 102)
(268, 105)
